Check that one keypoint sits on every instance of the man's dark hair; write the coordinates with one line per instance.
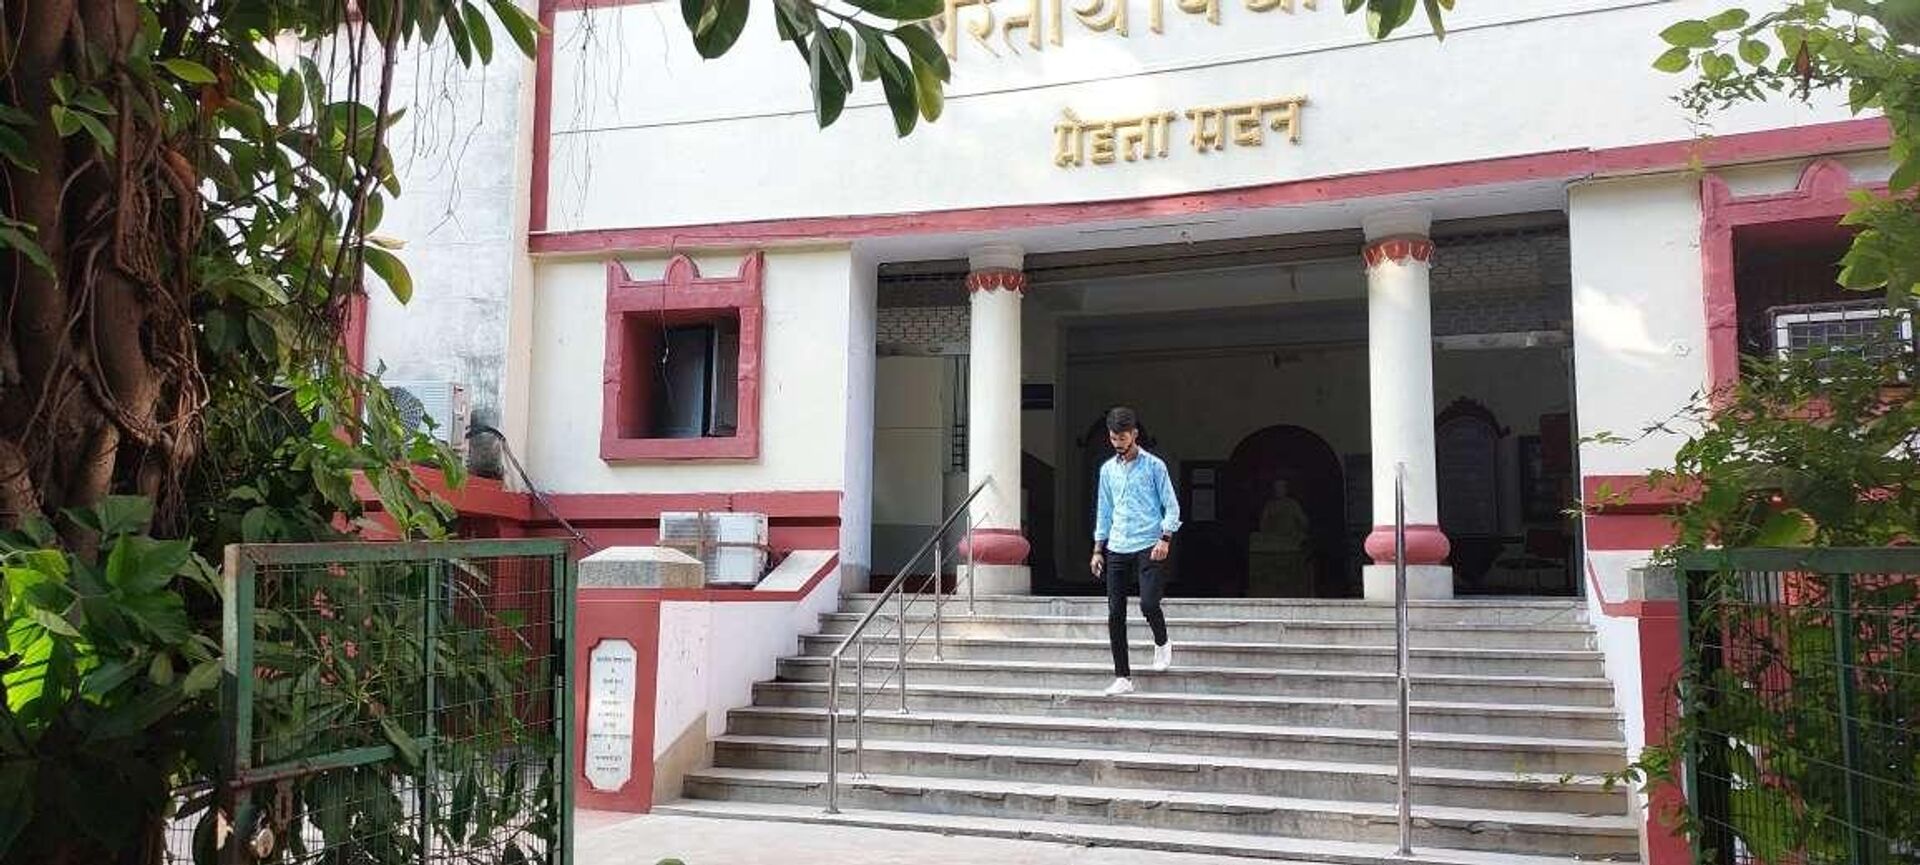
(1121, 419)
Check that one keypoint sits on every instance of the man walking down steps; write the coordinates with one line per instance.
(1133, 528)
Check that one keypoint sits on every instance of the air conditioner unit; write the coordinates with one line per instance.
(1854, 326)
(444, 402)
(733, 546)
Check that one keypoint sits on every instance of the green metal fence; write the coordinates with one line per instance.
(1801, 700)
(398, 703)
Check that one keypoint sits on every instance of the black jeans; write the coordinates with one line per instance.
(1123, 570)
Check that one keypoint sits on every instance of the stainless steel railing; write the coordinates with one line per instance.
(1400, 663)
(857, 640)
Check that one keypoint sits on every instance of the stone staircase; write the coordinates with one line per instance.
(1272, 736)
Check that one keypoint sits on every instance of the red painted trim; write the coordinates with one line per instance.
(478, 497)
(1800, 141)
(722, 596)
(1426, 545)
(995, 547)
(1659, 706)
(1819, 198)
(1623, 532)
(586, 507)
(353, 330)
(598, 617)
(1397, 249)
(1633, 494)
(682, 294)
(539, 181)
(489, 498)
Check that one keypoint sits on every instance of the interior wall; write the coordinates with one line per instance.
(1200, 407)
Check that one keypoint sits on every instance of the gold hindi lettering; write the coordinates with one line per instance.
(1104, 142)
(1077, 142)
(1045, 20)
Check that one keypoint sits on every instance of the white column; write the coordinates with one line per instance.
(996, 283)
(1400, 381)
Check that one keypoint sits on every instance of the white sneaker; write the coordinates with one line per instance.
(1120, 687)
(1163, 657)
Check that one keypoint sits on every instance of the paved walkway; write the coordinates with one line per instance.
(624, 839)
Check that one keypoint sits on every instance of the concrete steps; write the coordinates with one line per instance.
(1575, 835)
(1510, 755)
(1290, 656)
(1147, 770)
(1574, 691)
(1584, 722)
(1272, 848)
(1272, 736)
(1092, 625)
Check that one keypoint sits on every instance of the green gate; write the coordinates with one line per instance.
(1801, 701)
(398, 703)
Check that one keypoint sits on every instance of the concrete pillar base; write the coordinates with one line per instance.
(998, 580)
(1424, 582)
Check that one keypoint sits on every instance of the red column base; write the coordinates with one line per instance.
(995, 547)
(1426, 545)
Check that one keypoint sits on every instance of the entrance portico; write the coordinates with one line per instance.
(1397, 253)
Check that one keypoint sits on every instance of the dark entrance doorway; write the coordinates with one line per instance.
(1282, 502)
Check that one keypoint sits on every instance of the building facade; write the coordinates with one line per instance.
(1318, 264)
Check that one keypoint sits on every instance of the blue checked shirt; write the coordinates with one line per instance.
(1137, 504)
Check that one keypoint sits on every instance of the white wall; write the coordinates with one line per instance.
(1520, 77)
(1640, 355)
(462, 157)
(807, 373)
(856, 500)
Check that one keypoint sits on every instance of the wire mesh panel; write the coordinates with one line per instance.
(1801, 701)
(398, 703)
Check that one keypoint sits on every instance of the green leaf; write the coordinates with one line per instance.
(402, 741)
(291, 98)
(106, 677)
(927, 89)
(1716, 66)
(1674, 60)
(26, 246)
(481, 34)
(143, 712)
(53, 622)
(160, 672)
(829, 90)
(1386, 16)
(1689, 34)
(204, 677)
(141, 564)
(189, 71)
(162, 614)
(1788, 528)
(14, 147)
(1755, 51)
(1436, 19)
(896, 80)
(716, 24)
(95, 129)
(1905, 177)
(65, 120)
(391, 271)
(122, 515)
(1732, 19)
(923, 47)
(523, 28)
(901, 10)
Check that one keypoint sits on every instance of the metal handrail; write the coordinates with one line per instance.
(1405, 797)
(857, 637)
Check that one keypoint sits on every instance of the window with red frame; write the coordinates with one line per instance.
(682, 364)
